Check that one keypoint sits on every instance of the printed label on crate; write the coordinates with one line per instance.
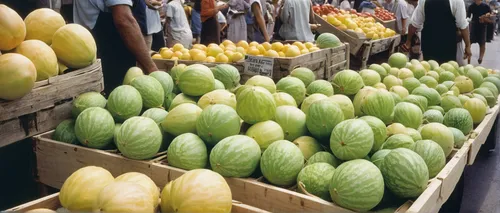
(256, 65)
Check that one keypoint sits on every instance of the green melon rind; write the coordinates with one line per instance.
(181, 119)
(281, 163)
(187, 151)
(139, 138)
(378, 157)
(320, 86)
(124, 102)
(460, 119)
(315, 179)
(217, 122)
(95, 127)
(379, 131)
(151, 91)
(157, 114)
(227, 74)
(347, 82)
(293, 86)
(304, 74)
(165, 80)
(235, 156)
(265, 133)
(322, 117)
(351, 139)
(196, 80)
(65, 132)
(379, 104)
(440, 134)
(323, 157)
(308, 146)
(432, 154)
(357, 185)
(398, 141)
(345, 104)
(179, 99)
(87, 100)
(218, 96)
(408, 114)
(255, 104)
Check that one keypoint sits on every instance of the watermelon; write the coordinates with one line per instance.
(432, 115)
(405, 73)
(391, 80)
(217, 96)
(95, 127)
(265, 133)
(458, 137)
(157, 114)
(345, 105)
(476, 108)
(196, 80)
(396, 97)
(139, 138)
(182, 119)
(379, 69)
(449, 102)
(491, 86)
(284, 99)
(351, 139)
(315, 179)
(438, 108)
(309, 100)
(486, 93)
(262, 81)
(255, 104)
(166, 81)
(347, 82)
(292, 121)
(117, 130)
(441, 89)
(440, 134)
(429, 81)
(217, 122)
(181, 98)
(460, 119)
(218, 85)
(379, 131)
(493, 80)
(304, 74)
(405, 173)
(124, 102)
(378, 157)
(65, 132)
(379, 104)
(475, 76)
(235, 156)
(432, 96)
(308, 146)
(323, 157)
(131, 74)
(322, 117)
(327, 40)
(357, 185)
(281, 163)
(464, 84)
(370, 77)
(168, 100)
(320, 86)
(398, 141)
(227, 74)
(293, 86)
(176, 72)
(187, 151)
(446, 76)
(408, 114)
(87, 100)
(414, 134)
(410, 84)
(432, 154)
(400, 91)
(151, 91)
(360, 98)
(396, 128)
(398, 60)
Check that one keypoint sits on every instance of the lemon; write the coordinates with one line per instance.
(243, 44)
(277, 46)
(166, 53)
(156, 56)
(222, 58)
(272, 54)
(178, 47)
(237, 56)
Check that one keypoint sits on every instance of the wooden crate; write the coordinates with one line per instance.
(360, 48)
(388, 24)
(52, 202)
(47, 104)
(339, 61)
(167, 64)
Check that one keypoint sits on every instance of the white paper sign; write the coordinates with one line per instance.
(257, 65)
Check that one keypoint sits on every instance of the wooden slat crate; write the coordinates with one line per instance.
(388, 24)
(47, 104)
(52, 202)
(339, 61)
(360, 48)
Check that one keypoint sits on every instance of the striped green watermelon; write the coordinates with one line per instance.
(187, 151)
(378, 157)
(181, 98)
(408, 114)
(65, 132)
(165, 80)
(398, 141)
(292, 120)
(151, 91)
(235, 156)
(379, 131)
(440, 134)
(458, 137)
(347, 82)
(217, 122)
(227, 74)
(357, 185)
(293, 86)
(262, 81)
(218, 96)
(196, 80)
(433, 97)
(322, 117)
(124, 102)
(281, 163)
(475, 76)
(411, 83)
(493, 80)
(379, 104)
(491, 86)
(418, 100)
(486, 93)
(432, 115)
(323, 157)
(139, 138)
(320, 86)
(327, 40)
(370, 77)
(95, 127)
(438, 108)
(284, 99)
(310, 100)
(405, 173)
(255, 104)
(449, 102)
(131, 74)
(315, 179)
(157, 114)
(351, 139)
(432, 154)
(414, 134)
(308, 146)
(304, 74)
(87, 100)
(360, 98)
(182, 119)
(345, 105)
(460, 119)
(117, 130)
(265, 133)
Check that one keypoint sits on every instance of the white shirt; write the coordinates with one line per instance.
(221, 18)
(345, 5)
(457, 9)
(85, 12)
(410, 8)
(178, 22)
(153, 21)
(295, 20)
(400, 10)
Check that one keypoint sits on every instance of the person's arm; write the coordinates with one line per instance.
(416, 23)
(131, 34)
(257, 12)
(466, 37)
(462, 24)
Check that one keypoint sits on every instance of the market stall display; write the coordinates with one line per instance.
(385, 17)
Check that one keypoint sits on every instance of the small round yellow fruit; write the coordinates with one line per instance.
(210, 59)
(177, 54)
(277, 46)
(272, 54)
(199, 56)
(156, 56)
(243, 44)
(166, 53)
(221, 58)
(292, 51)
(241, 50)
(186, 56)
(300, 45)
(253, 44)
(281, 54)
(200, 47)
(237, 56)
(267, 45)
(178, 47)
(304, 51)
(261, 49)
(227, 43)
(253, 51)
(309, 45)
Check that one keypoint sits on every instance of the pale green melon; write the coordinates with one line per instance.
(65, 132)
(292, 121)
(322, 117)
(235, 156)
(181, 98)
(217, 122)
(308, 146)
(323, 157)
(139, 138)
(187, 151)
(281, 163)
(262, 81)
(165, 80)
(217, 96)
(304, 74)
(124, 102)
(87, 100)
(347, 82)
(379, 131)
(95, 127)
(432, 154)
(320, 86)
(310, 100)
(440, 134)
(351, 139)
(398, 141)
(315, 179)
(255, 104)
(181, 119)
(227, 74)
(265, 133)
(196, 80)
(151, 91)
(345, 105)
(284, 99)
(131, 74)
(293, 86)
(157, 114)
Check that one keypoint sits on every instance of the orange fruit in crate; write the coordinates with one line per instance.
(253, 44)
(262, 49)
(243, 44)
(300, 45)
(292, 51)
(166, 53)
(199, 56)
(177, 47)
(222, 58)
(253, 51)
(277, 46)
(241, 50)
(272, 54)
(210, 59)
(267, 45)
(236, 57)
(186, 56)
(214, 51)
(156, 56)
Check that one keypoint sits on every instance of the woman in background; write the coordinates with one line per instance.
(478, 27)
(237, 29)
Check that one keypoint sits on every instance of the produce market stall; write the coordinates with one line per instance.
(48, 104)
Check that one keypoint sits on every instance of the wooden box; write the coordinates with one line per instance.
(47, 104)
(388, 24)
(52, 202)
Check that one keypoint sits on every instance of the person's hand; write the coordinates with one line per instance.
(467, 53)
(154, 4)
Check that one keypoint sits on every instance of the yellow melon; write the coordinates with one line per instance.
(292, 51)
(253, 51)
(123, 196)
(17, 76)
(42, 23)
(253, 44)
(277, 46)
(143, 180)
(272, 54)
(82, 188)
(41, 210)
(243, 44)
(210, 59)
(186, 56)
(177, 47)
(227, 43)
(166, 200)
(214, 51)
(241, 50)
(200, 47)
(12, 28)
(74, 46)
(42, 56)
(199, 56)
(157, 56)
(166, 53)
(222, 58)
(237, 56)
